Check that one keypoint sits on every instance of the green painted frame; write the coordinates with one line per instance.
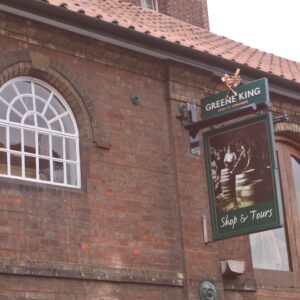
(265, 215)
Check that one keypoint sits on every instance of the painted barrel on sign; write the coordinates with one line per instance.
(228, 190)
(249, 188)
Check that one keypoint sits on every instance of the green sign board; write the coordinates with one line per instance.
(254, 92)
(242, 177)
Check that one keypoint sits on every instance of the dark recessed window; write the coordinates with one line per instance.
(151, 4)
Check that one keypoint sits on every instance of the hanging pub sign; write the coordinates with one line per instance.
(242, 176)
(254, 92)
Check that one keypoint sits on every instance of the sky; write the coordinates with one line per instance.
(269, 25)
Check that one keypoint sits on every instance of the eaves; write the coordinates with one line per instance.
(133, 40)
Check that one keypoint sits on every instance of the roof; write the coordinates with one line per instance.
(160, 26)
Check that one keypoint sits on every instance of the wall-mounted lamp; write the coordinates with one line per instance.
(189, 114)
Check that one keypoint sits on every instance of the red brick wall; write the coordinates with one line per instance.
(193, 12)
(38, 288)
(125, 215)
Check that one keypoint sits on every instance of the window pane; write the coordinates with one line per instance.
(68, 124)
(2, 137)
(28, 102)
(41, 91)
(30, 167)
(296, 175)
(29, 141)
(8, 93)
(57, 147)
(19, 107)
(71, 174)
(49, 114)
(43, 144)
(149, 4)
(44, 172)
(58, 172)
(15, 139)
(56, 126)
(13, 117)
(3, 162)
(41, 123)
(39, 104)
(16, 165)
(57, 106)
(24, 87)
(30, 120)
(269, 250)
(3, 110)
(70, 149)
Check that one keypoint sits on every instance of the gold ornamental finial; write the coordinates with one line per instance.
(232, 81)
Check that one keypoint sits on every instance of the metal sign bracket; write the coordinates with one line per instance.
(191, 120)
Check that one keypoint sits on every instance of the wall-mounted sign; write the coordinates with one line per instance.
(242, 176)
(254, 92)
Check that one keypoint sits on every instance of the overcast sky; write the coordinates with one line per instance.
(269, 25)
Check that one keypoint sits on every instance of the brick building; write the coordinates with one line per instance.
(100, 195)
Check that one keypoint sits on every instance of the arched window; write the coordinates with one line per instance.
(39, 138)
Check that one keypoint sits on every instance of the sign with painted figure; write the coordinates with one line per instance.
(242, 176)
(254, 92)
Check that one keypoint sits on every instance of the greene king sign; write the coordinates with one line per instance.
(254, 92)
(243, 177)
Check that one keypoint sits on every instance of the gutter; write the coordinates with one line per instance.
(133, 40)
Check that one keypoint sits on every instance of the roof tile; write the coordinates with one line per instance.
(167, 28)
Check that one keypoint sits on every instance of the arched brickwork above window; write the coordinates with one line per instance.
(56, 74)
(284, 127)
(34, 64)
(289, 130)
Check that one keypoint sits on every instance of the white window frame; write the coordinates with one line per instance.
(150, 4)
(64, 133)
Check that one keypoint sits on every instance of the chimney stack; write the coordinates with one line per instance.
(194, 12)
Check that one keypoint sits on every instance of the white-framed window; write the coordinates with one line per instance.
(39, 138)
(151, 4)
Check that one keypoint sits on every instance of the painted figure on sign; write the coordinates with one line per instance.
(243, 160)
(229, 158)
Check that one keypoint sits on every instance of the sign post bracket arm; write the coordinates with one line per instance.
(195, 127)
